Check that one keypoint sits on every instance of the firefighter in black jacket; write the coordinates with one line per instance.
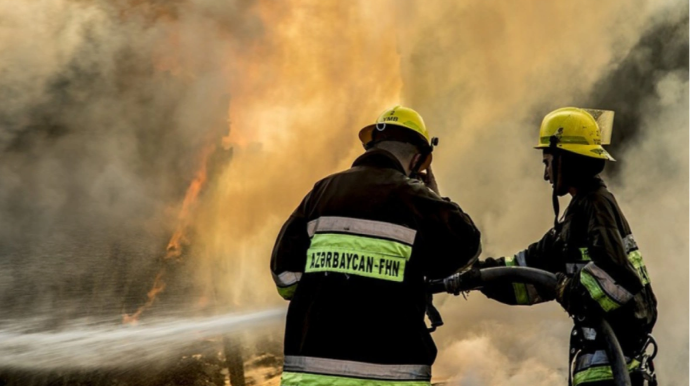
(353, 259)
(593, 252)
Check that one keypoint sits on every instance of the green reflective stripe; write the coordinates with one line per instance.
(595, 291)
(585, 254)
(566, 139)
(521, 295)
(358, 255)
(306, 379)
(363, 244)
(599, 373)
(287, 292)
(520, 289)
(635, 258)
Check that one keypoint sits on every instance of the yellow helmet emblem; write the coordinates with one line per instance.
(578, 131)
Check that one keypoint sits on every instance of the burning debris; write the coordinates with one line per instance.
(180, 239)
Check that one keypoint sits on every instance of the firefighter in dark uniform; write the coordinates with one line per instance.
(593, 252)
(353, 259)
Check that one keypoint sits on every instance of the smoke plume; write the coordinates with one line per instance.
(110, 105)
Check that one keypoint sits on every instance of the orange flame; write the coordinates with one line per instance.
(174, 248)
(158, 287)
(179, 237)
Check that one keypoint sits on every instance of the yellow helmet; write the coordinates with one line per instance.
(403, 117)
(397, 116)
(576, 131)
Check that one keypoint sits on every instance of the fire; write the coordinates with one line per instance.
(158, 287)
(179, 238)
(174, 248)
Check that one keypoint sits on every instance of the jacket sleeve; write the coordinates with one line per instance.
(290, 252)
(609, 280)
(450, 240)
(535, 256)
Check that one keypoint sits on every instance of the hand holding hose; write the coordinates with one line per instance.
(475, 278)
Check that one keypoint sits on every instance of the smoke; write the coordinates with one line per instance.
(107, 109)
(305, 86)
(655, 171)
(483, 76)
(109, 105)
(480, 74)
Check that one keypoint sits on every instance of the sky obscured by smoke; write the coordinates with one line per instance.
(109, 105)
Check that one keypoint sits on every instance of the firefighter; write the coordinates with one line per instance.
(592, 251)
(353, 258)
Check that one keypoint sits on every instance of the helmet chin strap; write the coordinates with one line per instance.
(556, 172)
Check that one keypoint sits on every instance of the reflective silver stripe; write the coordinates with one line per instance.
(629, 243)
(572, 268)
(606, 282)
(597, 358)
(362, 227)
(520, 257)
(287, 278)
(357, 369)
(589, 333)
(534, 297)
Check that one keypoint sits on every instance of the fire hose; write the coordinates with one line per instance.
(472, 279)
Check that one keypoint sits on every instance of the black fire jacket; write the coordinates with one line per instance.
(595, 248)
(353, 258)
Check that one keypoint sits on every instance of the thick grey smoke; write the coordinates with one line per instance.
(109, 105)
(105, 112)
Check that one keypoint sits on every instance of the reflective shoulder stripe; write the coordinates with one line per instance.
(594, 367)
(325, 366)
(356, 226)
(305, 379)
(602, 288)
(287, 278)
